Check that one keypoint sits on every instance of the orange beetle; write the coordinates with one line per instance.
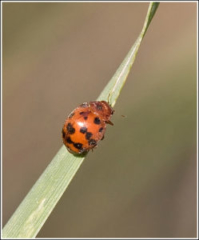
(86, 126)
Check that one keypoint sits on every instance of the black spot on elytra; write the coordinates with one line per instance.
(70, 128)
(101, 129)
(97, 121)
(88, 135)
(63, 133)
(68, 140)
(83, 129)
(92, 142)
(71, 115)
(78, 145)
(84, 114)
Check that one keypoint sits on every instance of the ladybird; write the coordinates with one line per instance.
(86, 126)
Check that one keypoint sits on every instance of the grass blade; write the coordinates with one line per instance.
(32, 213)
(112, 91)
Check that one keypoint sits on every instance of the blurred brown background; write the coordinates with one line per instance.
(141, 180)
